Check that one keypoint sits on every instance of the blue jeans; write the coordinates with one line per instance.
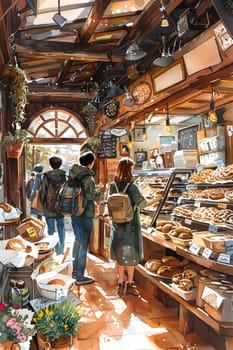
(82, 227)
(61, 232)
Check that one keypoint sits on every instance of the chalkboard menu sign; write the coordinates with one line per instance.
(107, 148)
(187, 137)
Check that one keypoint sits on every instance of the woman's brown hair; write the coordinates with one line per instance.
(124, 170)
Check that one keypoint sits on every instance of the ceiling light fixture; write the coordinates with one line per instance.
(212, 114)
(164, 16)
(168, 125)
(144, 134)
(130, 141)
(166, 57)
(134, 52)
(114, 90)
(58, 18)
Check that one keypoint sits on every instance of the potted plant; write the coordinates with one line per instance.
(13, 143)
(90, 116)
(57, 325)
(15, 326)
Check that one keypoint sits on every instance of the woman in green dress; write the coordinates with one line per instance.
(126, 239)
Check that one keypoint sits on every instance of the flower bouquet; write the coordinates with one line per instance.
(15, 324)
(57, 323)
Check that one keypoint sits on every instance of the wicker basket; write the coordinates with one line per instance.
(31, 229)
(53, 292)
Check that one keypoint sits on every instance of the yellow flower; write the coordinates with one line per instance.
(51, 325)
(66, 326)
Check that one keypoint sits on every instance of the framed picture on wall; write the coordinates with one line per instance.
(138, 135)
(124, 149)
(140, 157)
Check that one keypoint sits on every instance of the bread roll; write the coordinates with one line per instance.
(57, 281)
(153, 264)
(15, 244)
(170, 261)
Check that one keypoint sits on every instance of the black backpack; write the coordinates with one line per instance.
(54, 187)
(71, 199)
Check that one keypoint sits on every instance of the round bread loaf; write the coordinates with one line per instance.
(15, 244)
(153, 264)
(56, 281)
(170, 261)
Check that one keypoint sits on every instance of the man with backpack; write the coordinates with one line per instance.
(82, 224)
(50, 187)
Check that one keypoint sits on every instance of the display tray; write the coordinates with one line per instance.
(158, 277)
(181, 242)
(162, 235)
(186, 295)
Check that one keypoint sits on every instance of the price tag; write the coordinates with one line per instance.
(60, 293)
(224, 258)
(213, 228)
(179, 201)
(199, 168)
(222, 205)
(207, 253)
(219, 163)
(150, 229)
(197, 203)
(194, 248)
(192, 187)
(229, 246)
(188, 221)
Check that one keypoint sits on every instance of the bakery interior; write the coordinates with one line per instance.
(148, 79)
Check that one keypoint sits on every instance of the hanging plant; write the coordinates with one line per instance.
(16, 79)
(90, 117)
(93, 143)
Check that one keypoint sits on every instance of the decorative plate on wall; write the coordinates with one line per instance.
(111, 108)
(141, 92)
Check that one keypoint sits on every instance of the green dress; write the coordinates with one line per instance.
(126, 239)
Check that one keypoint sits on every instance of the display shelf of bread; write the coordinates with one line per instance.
(213, 176)
(185, 284)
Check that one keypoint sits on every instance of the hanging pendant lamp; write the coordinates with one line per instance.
(134, 52)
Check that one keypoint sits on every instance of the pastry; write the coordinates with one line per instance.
(185, 284)
(15, 244)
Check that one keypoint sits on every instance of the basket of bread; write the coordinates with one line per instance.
(8, 214)
(163, 268)
(31, 229)
(17, 252)
(181, 236)
(185, 284)
(163, 228)
(54, 285)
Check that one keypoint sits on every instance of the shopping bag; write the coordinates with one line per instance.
(36, 202)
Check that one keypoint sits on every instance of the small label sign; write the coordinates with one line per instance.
(192, 187)
(194, 248)
(207, 253)
(224, 258)
(188, 221)
(213, 228)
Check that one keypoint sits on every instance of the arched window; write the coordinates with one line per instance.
(55, 125)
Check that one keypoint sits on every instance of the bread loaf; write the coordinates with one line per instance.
(153, 264)
(56, 281)
(15, 244)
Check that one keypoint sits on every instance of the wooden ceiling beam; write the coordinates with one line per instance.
(93, 19)
(63, 51)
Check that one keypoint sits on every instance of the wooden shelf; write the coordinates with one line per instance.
(220, 327)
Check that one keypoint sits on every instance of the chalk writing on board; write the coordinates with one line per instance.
(187, 137)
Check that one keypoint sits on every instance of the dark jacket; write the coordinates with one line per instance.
(86, 176)
(29, 187)
(55, 174)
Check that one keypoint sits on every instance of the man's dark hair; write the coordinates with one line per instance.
(55, 162)
(39, 168)
(86, 158)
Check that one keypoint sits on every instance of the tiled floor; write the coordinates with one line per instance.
(136, 323)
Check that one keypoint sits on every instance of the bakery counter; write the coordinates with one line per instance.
(208, 263)
(222, 328)
(186, 253)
